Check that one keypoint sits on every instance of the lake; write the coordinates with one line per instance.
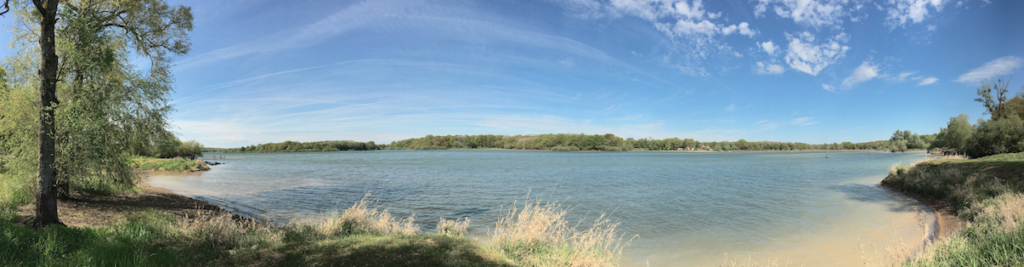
(685, 209)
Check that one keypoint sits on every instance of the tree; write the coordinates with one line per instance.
(954, 139)
(994, 103)
(992, 137)
(91, 101)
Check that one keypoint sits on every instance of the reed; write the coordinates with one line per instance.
(537, 234)
(457, 227)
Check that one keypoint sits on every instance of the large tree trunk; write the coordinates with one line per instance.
(46, 193)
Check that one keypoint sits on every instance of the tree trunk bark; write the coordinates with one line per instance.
(46, 193)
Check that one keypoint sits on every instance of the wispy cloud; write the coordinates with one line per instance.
(764, 125)
(863, 73)
(927, 81)
(392, 15)
(902, 76)
(1000, 66)
(828, 87)
(768, 68)
(730, 108)
(803, 121)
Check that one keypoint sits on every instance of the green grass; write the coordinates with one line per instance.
(358, 236)
(128, 244)
(15, 191)
(986, 192)
(171, 164)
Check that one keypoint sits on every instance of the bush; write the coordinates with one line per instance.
(992, 137)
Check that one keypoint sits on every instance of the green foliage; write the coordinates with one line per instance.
(994, 104)
(171, 164)
(901, 141)
(174, 148)
(610, 142)
(107, 108)
(1005, 135)
(1002, 133)
(956, 137)
(15, 190)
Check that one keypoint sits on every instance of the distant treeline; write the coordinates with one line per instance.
(289, 146)
(610, 142)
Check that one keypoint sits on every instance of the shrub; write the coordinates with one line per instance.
(1004, 135)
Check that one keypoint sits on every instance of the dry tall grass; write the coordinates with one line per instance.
(457, 227)
(219, 230)
(361, 219)
(537, 234)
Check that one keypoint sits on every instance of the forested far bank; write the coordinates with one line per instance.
(290, 146)
(901, 141)
(610, 142)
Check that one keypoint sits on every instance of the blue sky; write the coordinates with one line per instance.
(781, 70)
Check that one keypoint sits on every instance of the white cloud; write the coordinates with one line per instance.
(803, 121)
(865, 72)
(927, 81)
(687, 27)
(903, 75)
(679, 18)
(743, 29)
(807, 56)
(730, 108)
(768, 47)
(828, 87)
(1000, 66)
(808, 12)
(768, 68)
(915, 11)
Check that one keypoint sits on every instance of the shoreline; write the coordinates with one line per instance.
(590, 151)
(945, 214)
(945, 221)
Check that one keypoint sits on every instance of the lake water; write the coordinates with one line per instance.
(685, 209)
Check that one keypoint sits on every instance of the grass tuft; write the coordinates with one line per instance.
(537, 234)
(457, 227)
(361, 219)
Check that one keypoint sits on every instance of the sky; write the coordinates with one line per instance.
(812, 71)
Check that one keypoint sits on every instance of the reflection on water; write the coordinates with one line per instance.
(685, 208)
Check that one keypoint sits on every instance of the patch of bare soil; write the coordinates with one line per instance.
(98, 211)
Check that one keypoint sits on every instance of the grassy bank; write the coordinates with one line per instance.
(987, 192)
(534, 234)
(170, 164)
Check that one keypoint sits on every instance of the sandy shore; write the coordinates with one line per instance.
(945, 215)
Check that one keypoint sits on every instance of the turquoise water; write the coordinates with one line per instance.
(684, 208)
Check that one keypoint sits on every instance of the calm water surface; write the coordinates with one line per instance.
(686, 209)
